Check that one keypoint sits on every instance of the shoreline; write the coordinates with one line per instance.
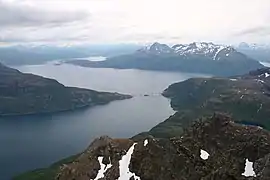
(59, 111)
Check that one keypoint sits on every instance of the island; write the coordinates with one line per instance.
(24, 94)
(202, 57)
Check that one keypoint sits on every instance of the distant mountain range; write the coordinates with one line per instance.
(39, 54)
(261, 52)
(202, 57)
(23, 94)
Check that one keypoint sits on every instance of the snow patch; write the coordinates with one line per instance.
(218, 51)
(260, 108)
(233, 79)
(249, 172)
(103, 168)
(204, 155)
(242, 97)
(145, 143)
(266, 75)
(261, 81)
(124, 171)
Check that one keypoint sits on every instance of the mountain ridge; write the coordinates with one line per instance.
(246, 98)
(196, 48)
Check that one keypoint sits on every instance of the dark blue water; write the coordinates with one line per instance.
(31, 142)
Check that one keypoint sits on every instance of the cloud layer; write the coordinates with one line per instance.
(14, 15)
(109, 21)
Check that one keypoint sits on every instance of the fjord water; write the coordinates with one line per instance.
(31, 142)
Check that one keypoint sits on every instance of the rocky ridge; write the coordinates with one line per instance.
(214, 149)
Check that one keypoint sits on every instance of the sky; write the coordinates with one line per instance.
(134, 21)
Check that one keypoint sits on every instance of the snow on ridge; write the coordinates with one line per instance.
(124, 170)
(103, 168)
(261, 81)
(266, 75)
(196, 48)
(249, 171)
(220, 48)
(199, 48)
(145, 143)
(204, 155)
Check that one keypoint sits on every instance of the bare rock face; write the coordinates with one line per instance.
(214, 149)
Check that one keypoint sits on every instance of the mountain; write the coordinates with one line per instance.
(22, 93)
(260, 52)
(246, 98)
(213, 149)
(202, 57)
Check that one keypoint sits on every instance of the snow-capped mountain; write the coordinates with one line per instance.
(206, 58)
(214, 51)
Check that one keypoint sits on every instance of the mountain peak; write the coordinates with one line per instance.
(157, 48)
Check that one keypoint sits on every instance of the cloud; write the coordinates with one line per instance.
(110, 21)
(258, 31)
(16, 14)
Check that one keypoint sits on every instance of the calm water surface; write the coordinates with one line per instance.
(31, 142)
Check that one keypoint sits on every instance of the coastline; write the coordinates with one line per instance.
(64, 110)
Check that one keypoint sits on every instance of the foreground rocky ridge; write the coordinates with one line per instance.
(229, 146)
(22, 93)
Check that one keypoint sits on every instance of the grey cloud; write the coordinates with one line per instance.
(13, 15)
(261, 31)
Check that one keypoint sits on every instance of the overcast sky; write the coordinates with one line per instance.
(139, 21)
